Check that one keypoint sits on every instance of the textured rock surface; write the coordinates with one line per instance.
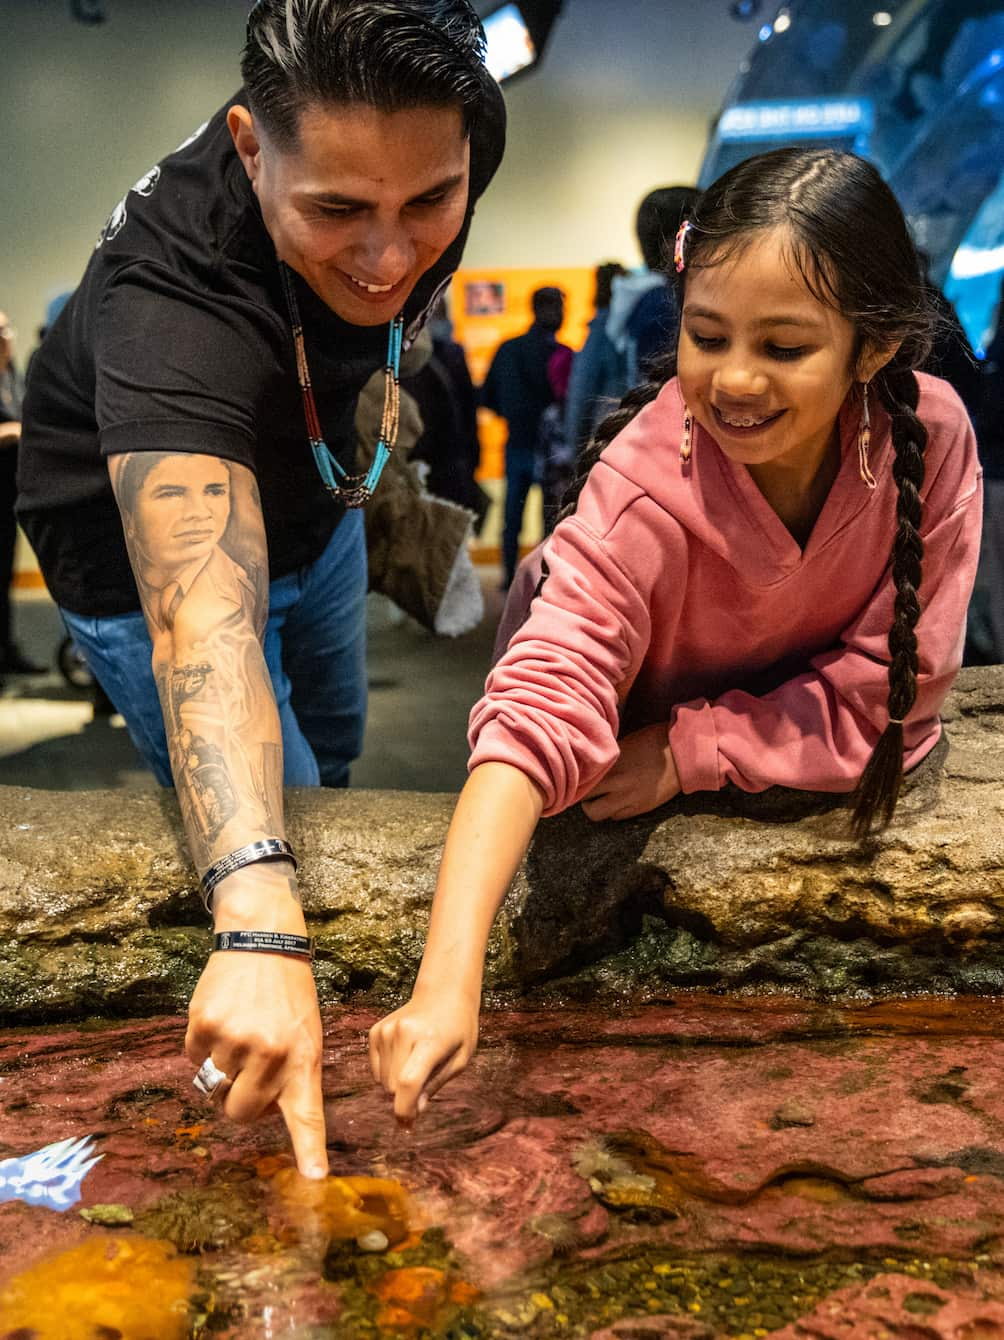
(99, 913)
(594, 1175)
(896, 1307)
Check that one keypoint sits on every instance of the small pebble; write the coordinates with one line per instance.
(373, 1241)
(108, 1216)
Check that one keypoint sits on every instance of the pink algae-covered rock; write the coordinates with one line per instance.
(665, 1327)
(914, 1184)
(897, 1307)
(512, 1201)
(897, 1129)
(769, 1129)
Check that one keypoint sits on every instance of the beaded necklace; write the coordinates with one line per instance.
(352, 490)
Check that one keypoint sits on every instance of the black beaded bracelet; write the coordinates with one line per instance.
(267, 849)
(266, 942)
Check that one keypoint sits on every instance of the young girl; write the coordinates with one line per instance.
(719, 604)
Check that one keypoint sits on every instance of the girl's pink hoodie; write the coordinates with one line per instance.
(677, 595)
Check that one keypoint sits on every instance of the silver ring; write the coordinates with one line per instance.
(209, 1078)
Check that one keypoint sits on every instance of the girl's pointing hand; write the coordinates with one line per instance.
(418, 1048)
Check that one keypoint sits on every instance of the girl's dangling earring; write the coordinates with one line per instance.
(686, 444)
(865, 439)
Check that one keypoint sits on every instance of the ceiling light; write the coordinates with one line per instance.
(882, 18)
(783, 22)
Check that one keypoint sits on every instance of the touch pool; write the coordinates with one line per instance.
(693, 1169)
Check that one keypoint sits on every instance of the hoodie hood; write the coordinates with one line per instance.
(626, 291)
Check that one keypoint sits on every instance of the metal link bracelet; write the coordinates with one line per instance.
(267, 849)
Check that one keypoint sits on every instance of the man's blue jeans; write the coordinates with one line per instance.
(315, 649)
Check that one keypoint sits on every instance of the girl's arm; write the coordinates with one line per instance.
(415, 1050)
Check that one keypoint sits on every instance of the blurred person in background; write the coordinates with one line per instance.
(517, 388)
(643, 315)
(448, 404)
(13, 661)
(557, 449)
(595, 382)
(990, 436)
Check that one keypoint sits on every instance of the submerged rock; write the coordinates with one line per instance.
(100, 915)
(109, 1216)
(667, 1327)
(900, 1174)
(371, 1210)
(202, 1219)
(898, 1307)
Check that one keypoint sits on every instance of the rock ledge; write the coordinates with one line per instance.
(99, 912)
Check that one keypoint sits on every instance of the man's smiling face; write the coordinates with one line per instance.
(364, 203)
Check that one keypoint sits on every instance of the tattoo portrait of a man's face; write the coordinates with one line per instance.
(181, 515)
(178, 513)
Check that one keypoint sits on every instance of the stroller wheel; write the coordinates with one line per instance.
(72, 665)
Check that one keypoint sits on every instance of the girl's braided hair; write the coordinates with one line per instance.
(848, 240)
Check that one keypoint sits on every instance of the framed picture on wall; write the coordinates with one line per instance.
(483, 297)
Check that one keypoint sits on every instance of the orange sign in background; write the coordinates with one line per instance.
(489, 306)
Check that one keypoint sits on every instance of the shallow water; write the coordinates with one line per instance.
(694, 1170)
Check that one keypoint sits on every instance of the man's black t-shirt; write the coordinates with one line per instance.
(178, 339)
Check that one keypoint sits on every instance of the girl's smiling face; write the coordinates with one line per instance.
(764, 366)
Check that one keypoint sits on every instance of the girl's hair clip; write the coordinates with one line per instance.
(678, 250)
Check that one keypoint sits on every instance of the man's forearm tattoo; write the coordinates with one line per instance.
(196, 542)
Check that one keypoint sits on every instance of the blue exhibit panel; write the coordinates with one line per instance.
(799, 118)
(750, 128)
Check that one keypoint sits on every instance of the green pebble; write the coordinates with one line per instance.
(108, 1216)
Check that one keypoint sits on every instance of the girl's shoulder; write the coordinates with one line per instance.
(951, 463)
(940, 408)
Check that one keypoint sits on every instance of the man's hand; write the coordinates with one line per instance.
(418, 1048)
(257, 1016)
(10, 434)
(643, 778)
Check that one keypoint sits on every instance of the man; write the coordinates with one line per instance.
(518, 389)
(12, 659)
(239, 298)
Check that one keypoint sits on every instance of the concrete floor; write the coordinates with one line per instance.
(421, 690)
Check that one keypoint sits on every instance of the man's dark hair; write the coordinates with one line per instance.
(659, 217)
(391, 55)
